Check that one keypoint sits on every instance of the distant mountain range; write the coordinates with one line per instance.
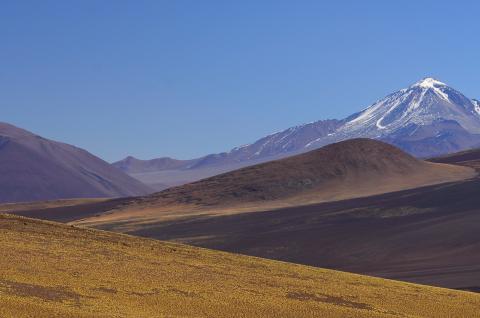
(34, 168)
(426, 119)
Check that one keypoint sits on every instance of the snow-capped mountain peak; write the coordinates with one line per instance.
(436, 86)
(426, 109)
(428, 82)
(423, 103)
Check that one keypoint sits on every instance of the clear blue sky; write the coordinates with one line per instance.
(188, 78)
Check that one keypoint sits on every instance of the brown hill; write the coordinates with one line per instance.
(35, 168)
(346, 169)
(349, 169)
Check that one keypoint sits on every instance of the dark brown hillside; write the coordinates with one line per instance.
(348, 169)
(459, 157)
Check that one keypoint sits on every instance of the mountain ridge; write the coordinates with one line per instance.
(36, 168)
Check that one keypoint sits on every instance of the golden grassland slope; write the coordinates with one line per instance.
(348, 169)
(53, 270)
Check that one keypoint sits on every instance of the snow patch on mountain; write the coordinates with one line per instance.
(428, 82)
(476, 105)
(433, 84)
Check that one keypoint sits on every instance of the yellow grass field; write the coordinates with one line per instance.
(54, 270)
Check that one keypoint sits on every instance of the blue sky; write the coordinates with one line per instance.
(188, 78)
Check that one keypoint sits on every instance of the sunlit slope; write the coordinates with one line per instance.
(52, 270)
